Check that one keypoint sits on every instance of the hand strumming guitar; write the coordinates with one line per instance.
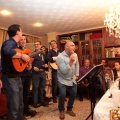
(25, 57)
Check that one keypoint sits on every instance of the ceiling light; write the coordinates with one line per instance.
(112, 21)
(5, 12)
(38, 24)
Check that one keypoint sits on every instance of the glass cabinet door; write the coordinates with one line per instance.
(85, 51)
(97, 51)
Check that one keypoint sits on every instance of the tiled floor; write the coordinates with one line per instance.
(82, 110)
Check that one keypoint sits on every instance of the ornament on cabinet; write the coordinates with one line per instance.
(106, 53)
(113, 52)
(117, 52)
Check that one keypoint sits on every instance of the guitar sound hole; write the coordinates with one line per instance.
(20, 61)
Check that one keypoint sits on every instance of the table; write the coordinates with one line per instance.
(103, 107)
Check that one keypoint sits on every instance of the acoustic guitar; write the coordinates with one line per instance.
(20, 64)
(54, 65)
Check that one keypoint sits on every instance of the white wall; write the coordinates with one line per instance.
(43, 40)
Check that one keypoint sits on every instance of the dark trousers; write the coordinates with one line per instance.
(62, 94)
(26, 80)
(82, 89)
(38, 82)
(54, 83)
(14, 93)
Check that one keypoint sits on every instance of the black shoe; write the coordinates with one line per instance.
(36, 105)
(3, 117)
(44, 104)
(30, 112)
(24, 118)
(54, 100)
(81, 98)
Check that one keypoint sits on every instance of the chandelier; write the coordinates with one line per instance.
(112, 21)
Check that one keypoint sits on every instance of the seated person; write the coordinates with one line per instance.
(116, 71)
(107, 72)
(83, 84)
(99, 81)
(45, 50)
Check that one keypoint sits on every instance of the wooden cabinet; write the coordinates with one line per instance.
(89, 44)
(62, 39)
(93, 47)
(112, 54)
(112, 43)
(111, 40)
(97, 51)
(84, 48)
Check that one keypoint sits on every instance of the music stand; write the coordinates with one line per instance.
(91, 76)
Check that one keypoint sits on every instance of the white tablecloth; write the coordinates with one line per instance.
(103, 107)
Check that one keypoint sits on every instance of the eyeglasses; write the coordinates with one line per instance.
(36, 44)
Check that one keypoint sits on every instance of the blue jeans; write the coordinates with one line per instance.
(38, 82)
(62, 94)
(14, 93)
(54, 83)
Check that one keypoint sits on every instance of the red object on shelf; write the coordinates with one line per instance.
(96, 35)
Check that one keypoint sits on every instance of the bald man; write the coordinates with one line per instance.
(68, 72)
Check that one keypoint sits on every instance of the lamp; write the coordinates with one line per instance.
(112, 21)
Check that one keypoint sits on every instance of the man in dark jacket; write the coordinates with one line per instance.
(52, 57)
(10, 76)
(39, 76)
(26, 81)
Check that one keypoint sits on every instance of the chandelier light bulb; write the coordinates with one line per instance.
(112, 20)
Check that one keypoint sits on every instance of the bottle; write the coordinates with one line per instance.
(113, 52)
(106, 53)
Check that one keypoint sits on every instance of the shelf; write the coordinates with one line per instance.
(76, 42)
(112, 46)
(114, 58)
(91, 39)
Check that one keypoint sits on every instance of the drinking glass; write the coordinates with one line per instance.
(110, 83)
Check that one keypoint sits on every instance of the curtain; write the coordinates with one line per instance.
(3, 35)
(32, 39)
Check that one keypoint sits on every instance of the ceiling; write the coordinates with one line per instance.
(61, 16)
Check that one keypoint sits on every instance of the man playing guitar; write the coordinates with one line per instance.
(52, 57)
(26, 81)
(10, 77)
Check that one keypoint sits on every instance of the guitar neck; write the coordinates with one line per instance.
(35, 53)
